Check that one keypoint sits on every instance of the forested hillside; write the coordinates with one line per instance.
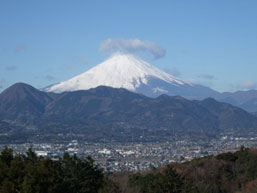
(113, 114)
(225, 173)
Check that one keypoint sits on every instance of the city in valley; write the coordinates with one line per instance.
(139, 156)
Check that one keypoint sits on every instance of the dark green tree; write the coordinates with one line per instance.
(80, 176)
(6, 156)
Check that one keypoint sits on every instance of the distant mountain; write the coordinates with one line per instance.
(134, 74)
(243, 99)
(229, 117)
(22, 103)
(254, 113)
(109, 112)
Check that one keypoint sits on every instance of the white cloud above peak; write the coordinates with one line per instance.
(131, 45)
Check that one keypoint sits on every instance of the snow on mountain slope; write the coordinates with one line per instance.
(132, 73)
(119, 71)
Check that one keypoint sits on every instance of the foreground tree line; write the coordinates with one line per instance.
(31, 174)
(225, 173)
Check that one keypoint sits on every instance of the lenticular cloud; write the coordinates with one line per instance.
(131, 45)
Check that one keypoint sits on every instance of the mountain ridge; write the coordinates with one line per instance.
(119, 113)
(134, 74)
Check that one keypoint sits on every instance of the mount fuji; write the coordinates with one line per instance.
(134, 74)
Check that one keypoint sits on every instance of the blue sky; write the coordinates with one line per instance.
(205, 41)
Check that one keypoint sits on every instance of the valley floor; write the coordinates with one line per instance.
(139, 156)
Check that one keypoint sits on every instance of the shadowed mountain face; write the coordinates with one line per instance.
(243, 99)
(229, 117)
(22, 103)
(111, 111)
(155, 87)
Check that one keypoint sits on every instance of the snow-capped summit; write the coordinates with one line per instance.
(119, 71)
(125, 71)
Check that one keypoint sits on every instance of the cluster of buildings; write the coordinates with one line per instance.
(139, 156)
